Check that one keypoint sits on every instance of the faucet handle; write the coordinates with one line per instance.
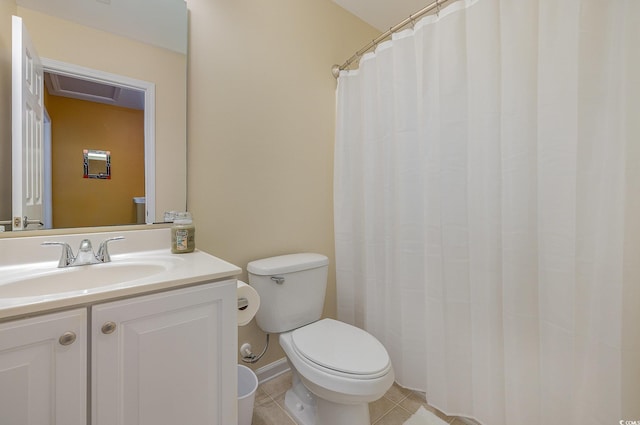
(103, 251)
(85, 246)
(67, 256)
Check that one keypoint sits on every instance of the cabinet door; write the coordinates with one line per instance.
(43, 370)
(167, 358)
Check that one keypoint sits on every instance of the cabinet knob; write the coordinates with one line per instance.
(108, 328)
(67, 338)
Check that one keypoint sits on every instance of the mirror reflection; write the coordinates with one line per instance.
(100, 117)
(67, 41)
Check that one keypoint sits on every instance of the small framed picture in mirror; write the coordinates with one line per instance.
(97, 164)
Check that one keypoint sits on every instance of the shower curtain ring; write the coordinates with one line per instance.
(438, 8)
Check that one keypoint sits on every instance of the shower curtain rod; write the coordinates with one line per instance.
(335, 69)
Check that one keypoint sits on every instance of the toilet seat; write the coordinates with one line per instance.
(341, 349)
(332, 385)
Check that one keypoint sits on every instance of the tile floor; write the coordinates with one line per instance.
(397, 405)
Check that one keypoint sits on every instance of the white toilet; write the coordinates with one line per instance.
(337, 368)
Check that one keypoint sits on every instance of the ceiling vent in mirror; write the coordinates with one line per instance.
(77, 88)
(60, 85)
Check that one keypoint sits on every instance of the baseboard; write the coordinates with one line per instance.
(272, 370)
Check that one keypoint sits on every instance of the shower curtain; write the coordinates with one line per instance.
(487, 217)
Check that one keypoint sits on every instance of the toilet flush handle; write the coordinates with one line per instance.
(278, 279)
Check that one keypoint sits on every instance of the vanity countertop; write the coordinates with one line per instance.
(141, 250)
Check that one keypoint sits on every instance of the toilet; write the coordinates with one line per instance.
(337, 369)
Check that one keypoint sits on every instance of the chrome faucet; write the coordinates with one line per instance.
(85, 253)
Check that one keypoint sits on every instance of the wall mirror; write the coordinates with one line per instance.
(114, 39)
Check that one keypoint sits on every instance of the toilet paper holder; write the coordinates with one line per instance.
(243, 303)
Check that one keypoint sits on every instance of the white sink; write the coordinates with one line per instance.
(43, 279)
(142, 263)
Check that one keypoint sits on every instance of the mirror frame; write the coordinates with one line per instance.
(81, 42)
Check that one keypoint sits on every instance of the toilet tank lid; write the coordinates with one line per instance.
(287, 264)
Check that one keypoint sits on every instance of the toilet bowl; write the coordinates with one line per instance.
(345, 367)
(338, 369)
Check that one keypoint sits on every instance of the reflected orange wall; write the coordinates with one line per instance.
(78, 125)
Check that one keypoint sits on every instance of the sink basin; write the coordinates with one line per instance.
(46, 279)
(31, 282)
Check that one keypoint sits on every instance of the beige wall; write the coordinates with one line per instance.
(72, 43)
(261, 129)
(261, 119)
(7, 8)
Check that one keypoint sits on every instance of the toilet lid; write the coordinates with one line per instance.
(341, 347)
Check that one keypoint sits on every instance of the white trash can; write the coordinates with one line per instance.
(247, 386)
(141, 205)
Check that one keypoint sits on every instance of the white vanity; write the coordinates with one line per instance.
(149, 338)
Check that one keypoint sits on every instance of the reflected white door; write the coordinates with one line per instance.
(27, 132)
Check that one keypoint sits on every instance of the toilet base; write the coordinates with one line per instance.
(299, 402)
(330, 413)
(308, 409)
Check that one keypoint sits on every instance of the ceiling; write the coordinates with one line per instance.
(165, 26)
(383, 14)
(163, 29)
(152, 28)
(132, 18)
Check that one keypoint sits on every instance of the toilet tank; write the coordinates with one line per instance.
(291, 288)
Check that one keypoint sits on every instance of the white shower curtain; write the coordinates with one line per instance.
(487, 217)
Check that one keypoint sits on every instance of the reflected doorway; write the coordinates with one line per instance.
(92, 112)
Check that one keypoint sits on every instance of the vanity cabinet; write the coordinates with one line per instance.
(161, 359)
(167, 358)
(43, 369)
